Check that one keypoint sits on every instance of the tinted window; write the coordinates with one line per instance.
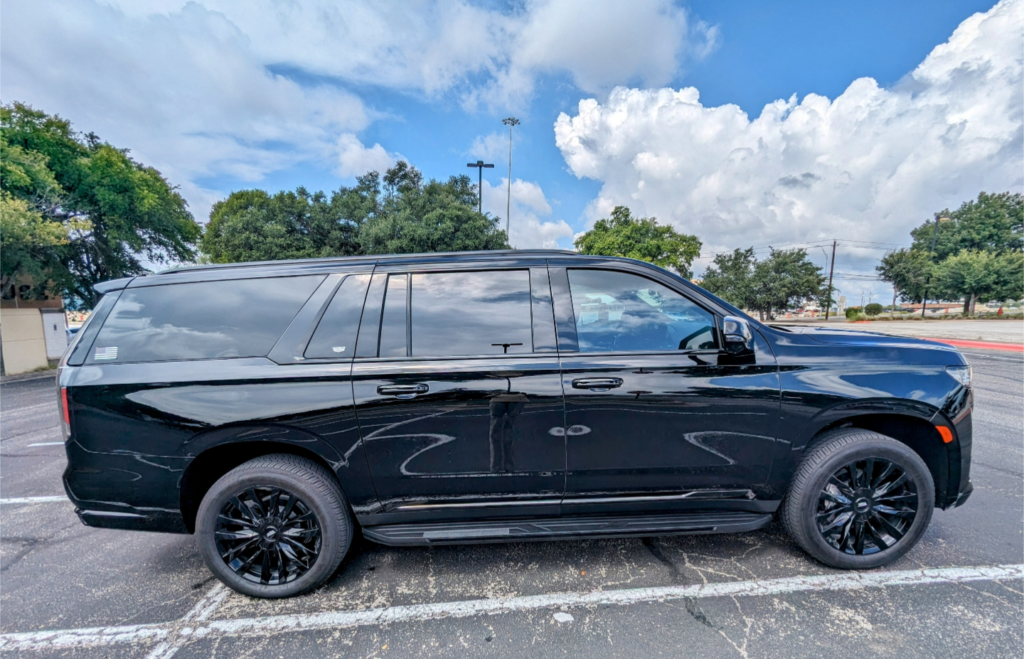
(471, 313)
(393, 328)
(336, 333)
(205, 320)
(616, 311)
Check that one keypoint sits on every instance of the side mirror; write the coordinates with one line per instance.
(737, 335)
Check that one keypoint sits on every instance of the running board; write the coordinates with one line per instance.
(557, 528)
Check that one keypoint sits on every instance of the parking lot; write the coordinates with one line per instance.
(69, 590)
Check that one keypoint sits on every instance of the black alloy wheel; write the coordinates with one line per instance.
(866, 506)
(276, 526)
(858, 499)
(268, 535)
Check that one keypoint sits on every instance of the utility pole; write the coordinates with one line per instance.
(510, 122)
(935, 237)
(479, 164)
(831, 268)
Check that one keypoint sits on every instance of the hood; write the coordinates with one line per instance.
(845, 337)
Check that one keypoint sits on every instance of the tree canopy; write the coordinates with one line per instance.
(977, 255)
(908, 270)
(640, 238)
(396, 213)
(109, 211)
(992, 223)
(782, 281)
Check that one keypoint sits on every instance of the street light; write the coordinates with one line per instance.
(479, 164)
(935, 237)
(510, 122)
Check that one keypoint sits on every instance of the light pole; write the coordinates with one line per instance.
(510, 122)
(479, 164)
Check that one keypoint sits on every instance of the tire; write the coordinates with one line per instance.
(274, 545)
(814, 515)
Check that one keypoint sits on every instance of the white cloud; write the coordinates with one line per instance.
(355, 159)
(870, 165)
(526, 228)
(218, 88)
(492, 147)
(433, 46)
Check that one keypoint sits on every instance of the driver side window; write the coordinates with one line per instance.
(622, 312)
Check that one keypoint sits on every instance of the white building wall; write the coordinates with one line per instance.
(23, 341)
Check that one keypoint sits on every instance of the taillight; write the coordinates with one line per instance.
(65, 413)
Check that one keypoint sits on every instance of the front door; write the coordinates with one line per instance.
(657, 416)
(458, 393)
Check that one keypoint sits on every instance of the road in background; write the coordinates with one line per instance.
(59, 575)
(1001, 331)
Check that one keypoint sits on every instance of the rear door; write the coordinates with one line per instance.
(457, 391)
(656, 414)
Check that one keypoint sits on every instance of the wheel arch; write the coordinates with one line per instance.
(218, 459)
(919, 434)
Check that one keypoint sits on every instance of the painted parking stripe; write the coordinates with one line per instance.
(24, 500)
(188, 629)
(47, 444)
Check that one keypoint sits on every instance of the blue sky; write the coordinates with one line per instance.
(222, 96)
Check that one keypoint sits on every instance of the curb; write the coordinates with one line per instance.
(983, 345)
(28, 377)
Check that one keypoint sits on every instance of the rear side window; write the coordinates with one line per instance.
(622, 312)
(471, 313)
(202, 320)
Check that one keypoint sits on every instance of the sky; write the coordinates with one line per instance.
(745, 123)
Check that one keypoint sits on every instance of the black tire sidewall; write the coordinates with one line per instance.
(335, 529)
(885, 448)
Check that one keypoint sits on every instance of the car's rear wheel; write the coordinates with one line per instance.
(859, 499)
(275, 526)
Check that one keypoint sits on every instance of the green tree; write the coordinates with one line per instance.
(981, 275)
(393, 214)
(412, 217)
(780, 282)
(251, 225)
(873, 309)
(29, 245)
(993, 223)
(115, 211)
(730, 277)
(640, 238)
(783, 281)
(908, 270)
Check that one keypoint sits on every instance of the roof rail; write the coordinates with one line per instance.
(370, 257)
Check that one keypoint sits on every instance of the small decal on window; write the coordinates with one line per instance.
(105, 353)
(338, 348)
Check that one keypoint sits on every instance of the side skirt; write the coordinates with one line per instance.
(565, 527)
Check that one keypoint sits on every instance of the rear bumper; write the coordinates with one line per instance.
(108, 514)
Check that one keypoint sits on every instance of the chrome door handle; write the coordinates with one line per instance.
(402, 391)
(597, 384)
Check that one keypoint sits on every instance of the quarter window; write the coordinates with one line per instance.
(202, 320)
(622, 312)
(335, 335)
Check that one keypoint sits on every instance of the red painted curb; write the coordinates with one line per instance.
(984, 345)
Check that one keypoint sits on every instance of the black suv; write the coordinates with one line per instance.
(275, 408)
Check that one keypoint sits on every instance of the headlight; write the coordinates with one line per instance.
(961, 374)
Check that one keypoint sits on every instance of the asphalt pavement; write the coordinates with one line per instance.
(68, 591)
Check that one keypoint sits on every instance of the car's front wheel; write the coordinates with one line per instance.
(859, 499)
(275, 526)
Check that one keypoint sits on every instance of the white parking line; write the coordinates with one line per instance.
(201, 611)
(24, 500)
(269, 625)
(47, 444)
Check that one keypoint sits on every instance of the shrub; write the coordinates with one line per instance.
(852, 313)
(873, 309)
